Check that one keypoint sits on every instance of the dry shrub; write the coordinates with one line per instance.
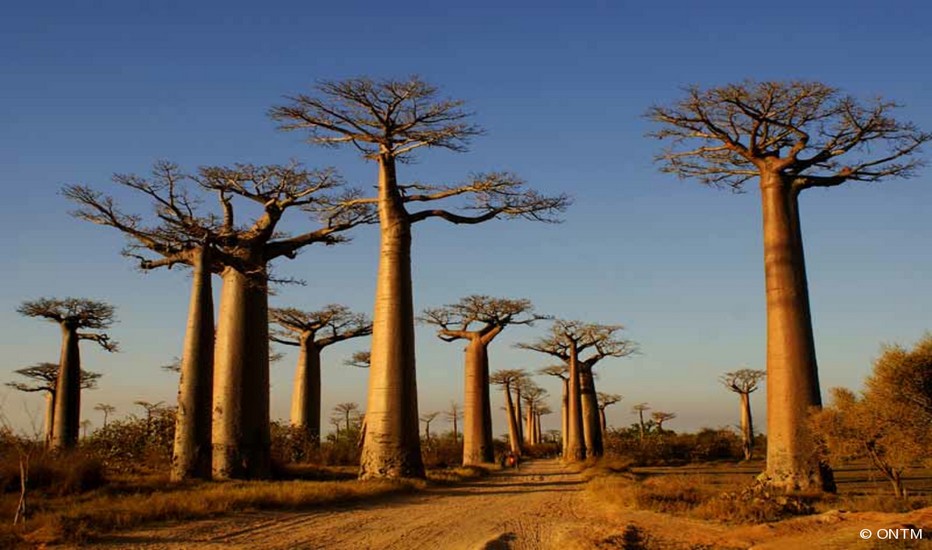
(755, 504)
(455, 475)
(52, 473)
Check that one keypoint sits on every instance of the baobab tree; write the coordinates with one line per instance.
(568, 340)
(561, 372)
(606, 400)
(478, 319)
(359, 359)
(311, 332)
(540, 411)
(453, 414)
(533, 397)
(241, 253)
(75, 317)
(427, 418)
(105, 408)
(744, 382)
(45, 376)
(790, 136)
(659, 417)
(388, 121)
(639, 410)
(506, 379)
(346, 411)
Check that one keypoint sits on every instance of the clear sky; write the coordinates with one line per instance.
(91, 88)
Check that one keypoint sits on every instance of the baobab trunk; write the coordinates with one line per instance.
(241, 438)
(192, 448)
(792, 374)
(602, 421)
(477, 408)
(392, 446)
(519, 413)
(747, 426)
(529, 428)
(305, 397)
(537, 430)
(513, 437)
(565, 415)
(49, 416)
(592, 428)
(575, 446)
(66, 418)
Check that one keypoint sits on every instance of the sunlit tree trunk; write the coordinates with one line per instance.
(564, 415)
(592, 427)
(519, 414)
(192, 448)
(529, 428)
(747, 426)
(241, 435)
(49, 416)
(602, 421)
(392, 447)
(305, 397)
(66, 418)
(537, 431)
(514, 440)
(792, 374)
(477, 408)
(575, 445)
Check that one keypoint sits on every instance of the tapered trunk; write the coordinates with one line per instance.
(191, 457)
(305, 397)
(537, 432)
(513, 438)
(564, 416)
(575, 445)
(792, 374)
(519, 414)
(592, 427)
(747, 426)
(241, 438)
(602, 421)
(50, 416)
(67, 416)
(477, 407)
(529, 428)
(455, 434)
(391, 447)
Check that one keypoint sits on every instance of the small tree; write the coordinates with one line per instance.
(75, 316)
(561, 372)
(346, 411)
(388, 121)
(791, 137)
(311, 332)
(106, 409)
(453, 414)
(478, 320)
(891, 423)
(639, 410)
(659, 417)
(606, 400)
(744, 382)
(427, 418)
(45, 376)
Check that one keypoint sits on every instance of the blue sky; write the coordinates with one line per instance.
(88, 89)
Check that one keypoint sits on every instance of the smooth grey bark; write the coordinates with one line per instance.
(191, 457)
(391, 445)
(575, 444)
(241, 436)
(49, 416)
(514, 439)
(67, 416)
(477, 407)
(592, 427)
(564, 415)
(747, 426)
(305, 397)
(792, 372)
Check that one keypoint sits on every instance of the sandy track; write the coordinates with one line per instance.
(538, 506)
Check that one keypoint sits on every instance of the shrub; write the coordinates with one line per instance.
(135, 444)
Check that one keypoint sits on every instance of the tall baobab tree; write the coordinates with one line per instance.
(85, 424)
(45, 376)
(568, 340)
(639, 410)
(506, 379)
(542, 410)
(388, 121)
(241, 253)
(561, 372)
(311, 332)
(533, 397)
(453, 414)
(75, 317)
(478, 320)
(105, 408)
(606, 400)
(744, 382)
(790, 136)
(427, 418)
(346, 411)
(659, 417)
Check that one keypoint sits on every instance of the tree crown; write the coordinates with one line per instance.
(742, 381)
(479, 316)
(600, 340)
(45, 376)
(334, 323)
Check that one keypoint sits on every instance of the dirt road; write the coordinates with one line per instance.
(541, 506)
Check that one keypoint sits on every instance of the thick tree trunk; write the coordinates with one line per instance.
(792, 374)
(519, 414)
(49, 416)
(391, 447)
(191, 457)
(67, 416)
(565, 416)
(575, 445)
(477, 408)
(241, 438)
(747, 426)
(538, 435)
(529, 428)
(602, 421)
(513, 437)
(592, 428)
(305, 397)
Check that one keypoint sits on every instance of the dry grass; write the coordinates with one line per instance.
(459, 474)
(82, 517)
